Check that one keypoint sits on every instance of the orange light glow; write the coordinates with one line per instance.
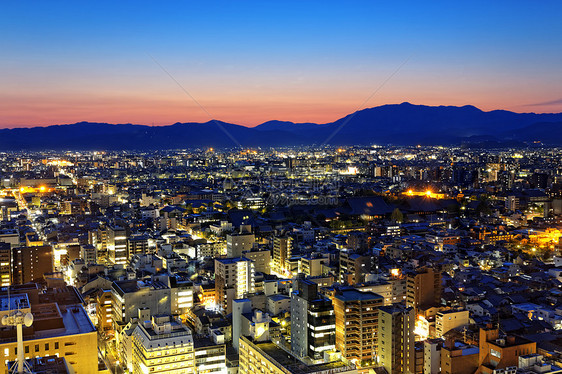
(426, 193)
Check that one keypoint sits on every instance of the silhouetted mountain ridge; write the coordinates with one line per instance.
(400, 124)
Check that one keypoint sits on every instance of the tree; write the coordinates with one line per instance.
(397, 216)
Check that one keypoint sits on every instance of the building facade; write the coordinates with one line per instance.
(357, 320)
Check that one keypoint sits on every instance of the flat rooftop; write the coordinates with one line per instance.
(13, 302)
(291, 363)
(51, 320)
(356, 295)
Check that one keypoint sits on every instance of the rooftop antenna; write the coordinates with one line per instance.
(18, 319)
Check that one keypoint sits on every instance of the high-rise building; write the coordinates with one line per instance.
(357, 320)
(282, 252)
(5, 264)
(423, 288)
(162, 345)
(313, 329)
(117, 245)
(396, 339)
(29, 264)
(234, 279)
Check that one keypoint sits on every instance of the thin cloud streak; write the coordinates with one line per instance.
(545, 103)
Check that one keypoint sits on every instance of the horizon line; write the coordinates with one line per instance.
(32, 126)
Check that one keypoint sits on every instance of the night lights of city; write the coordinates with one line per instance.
(281, 187)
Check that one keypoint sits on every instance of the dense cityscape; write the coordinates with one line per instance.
(289, 260)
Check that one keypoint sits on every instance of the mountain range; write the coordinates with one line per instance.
(398, 124)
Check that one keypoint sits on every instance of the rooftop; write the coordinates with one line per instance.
(355, 295)
(294, 366)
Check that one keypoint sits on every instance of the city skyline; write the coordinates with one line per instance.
(250, 63)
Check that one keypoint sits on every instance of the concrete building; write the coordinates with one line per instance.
(210, 356)
(357, 325)
(382, 288)
(5, 264)
(249, 322)
(313, 327)
(450, 319)
(130, 295)
(396, 339)
(162, 345)
(423, 288)
(237, 243)
(354, 266)
(30, 264)
(432, 356)
(104, 310)
(58, 329)
(457, 357)
(282, 252)
(234, 279)
(89, 254)
(181, 295)
(313, 265)
(261, 259)
(117, 245)
(501, 352)
(268, 358)
(137, 243)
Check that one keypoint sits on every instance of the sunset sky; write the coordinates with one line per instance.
(248, 62)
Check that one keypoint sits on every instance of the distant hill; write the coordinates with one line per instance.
(400, 124)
